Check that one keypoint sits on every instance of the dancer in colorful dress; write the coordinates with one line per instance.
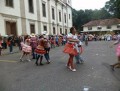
(33, 44)
(40, 50)
(26, 48)
(70, 48)
(52, 42)
(116, 65)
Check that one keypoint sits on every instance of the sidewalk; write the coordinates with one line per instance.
(6, 51)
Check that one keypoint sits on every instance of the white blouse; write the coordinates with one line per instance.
(72, 36)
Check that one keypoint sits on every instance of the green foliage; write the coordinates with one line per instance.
(83, 16)
(111, 10)
(113, 7)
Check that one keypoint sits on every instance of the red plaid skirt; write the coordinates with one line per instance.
(40, 50)
(69, 49)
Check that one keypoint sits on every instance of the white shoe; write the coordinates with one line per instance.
(29, 60)
(68, 66)
(74, 70)
(21, 60)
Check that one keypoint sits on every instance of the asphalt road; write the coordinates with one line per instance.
(95, 74)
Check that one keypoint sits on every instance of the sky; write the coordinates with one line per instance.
(88, 4)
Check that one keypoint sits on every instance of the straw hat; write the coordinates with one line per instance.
(32, 35)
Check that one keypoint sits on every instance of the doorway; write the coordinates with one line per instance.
(11, 28)
(32, 28)
(66, 32)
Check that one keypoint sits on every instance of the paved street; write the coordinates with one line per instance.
(94, 74)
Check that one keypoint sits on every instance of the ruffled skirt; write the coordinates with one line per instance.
(26, 48)
(70, 49)
(40, 50)
(118, 50)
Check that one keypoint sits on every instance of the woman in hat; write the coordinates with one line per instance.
(40, 50)
(33, 44)
(70, 48)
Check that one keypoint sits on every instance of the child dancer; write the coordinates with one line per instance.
(78, 57)
(26, 48)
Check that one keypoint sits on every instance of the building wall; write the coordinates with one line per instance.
(53, 23)
(104, 28)
(2, 28)
(115, 27)
(15, 11)
(69, 20)
(23, 18)
(28, 15)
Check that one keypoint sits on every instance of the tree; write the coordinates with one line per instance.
(80, 17)
(113, 7)
(101, 14)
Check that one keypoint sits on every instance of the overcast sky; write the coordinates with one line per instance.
(88, 4)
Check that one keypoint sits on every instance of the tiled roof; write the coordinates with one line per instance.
(105, 22)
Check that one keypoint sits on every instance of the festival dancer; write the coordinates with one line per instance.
(33, 44)
(70, 48)
(79, 59)
(116, 65)
(26, 48)
(40, 50)
(47, 48)
(52, 42)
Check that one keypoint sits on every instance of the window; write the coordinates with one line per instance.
(69, 1)
(44, 9)
(54, 32)
(45, 28)
(53, 14)
(118, 26)
(9, 3)
(60, 30)
(108, 27)
(99, 27)
(69, 16)
(59, 16)
(65, 17)
(89, 28)
(30, 3)
(66, 31)
(32, 28)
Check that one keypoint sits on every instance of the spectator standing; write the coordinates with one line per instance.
(0, 44)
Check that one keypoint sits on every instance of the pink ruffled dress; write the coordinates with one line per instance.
(26, 47)
(118, 46)
(118, 50)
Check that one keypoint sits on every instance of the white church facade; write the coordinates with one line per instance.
(19, 17)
